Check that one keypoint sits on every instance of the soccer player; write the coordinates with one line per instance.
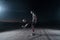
(34, 20)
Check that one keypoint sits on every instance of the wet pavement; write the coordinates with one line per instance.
(26, 34)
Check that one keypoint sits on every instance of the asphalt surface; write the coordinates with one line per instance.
(26, 34)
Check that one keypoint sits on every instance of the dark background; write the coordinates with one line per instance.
(47, 11)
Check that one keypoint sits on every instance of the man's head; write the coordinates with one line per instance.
(24, 20)
(31, 12)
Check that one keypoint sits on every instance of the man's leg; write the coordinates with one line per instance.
(33, 30)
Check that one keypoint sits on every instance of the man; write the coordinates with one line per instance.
(25, 24)
(34, 20)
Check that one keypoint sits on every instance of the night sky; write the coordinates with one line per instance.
(46, 10)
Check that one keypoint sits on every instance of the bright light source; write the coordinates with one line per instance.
(2, 9)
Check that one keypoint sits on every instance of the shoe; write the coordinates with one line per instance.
(33, 34)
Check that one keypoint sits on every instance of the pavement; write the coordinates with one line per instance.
(26, 34)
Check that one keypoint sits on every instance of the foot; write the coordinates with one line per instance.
(33, 34)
